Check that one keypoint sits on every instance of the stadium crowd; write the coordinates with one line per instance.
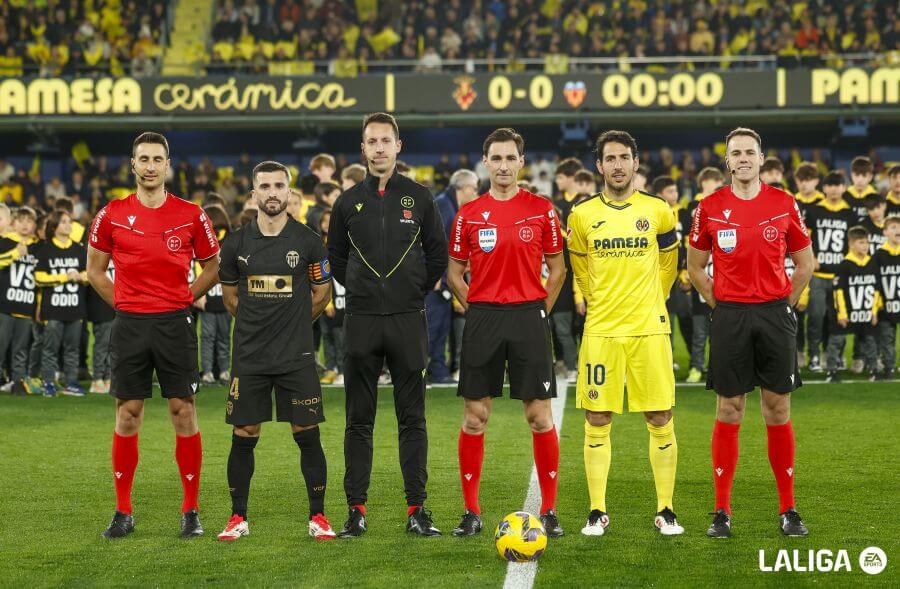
(38, 221)
(83, 38)
(249, 33)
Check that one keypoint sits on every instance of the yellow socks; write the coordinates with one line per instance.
(597, 457)
(663, 460)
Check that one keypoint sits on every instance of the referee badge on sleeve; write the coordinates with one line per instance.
(487, 239)
(727, 239)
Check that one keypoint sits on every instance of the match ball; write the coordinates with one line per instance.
(520, 537)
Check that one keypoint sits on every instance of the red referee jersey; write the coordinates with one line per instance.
(152, 251)
(749, 240)
(504, 242)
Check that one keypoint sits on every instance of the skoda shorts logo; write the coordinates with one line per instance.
(174, 243)
(727, 239)
(487, 239)
(292, 258)
(407, 202)
(642, 224)
(770, 233)
(526, 234)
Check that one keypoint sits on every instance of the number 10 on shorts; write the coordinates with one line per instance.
(595, 374)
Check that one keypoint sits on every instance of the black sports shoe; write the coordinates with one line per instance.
(420, 523)
(121, 525)
(355, 525)
(792, 525)
(469, 526)
(720, 526)
(551, 524)
(190, 525)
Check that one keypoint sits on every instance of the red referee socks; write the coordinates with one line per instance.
(471, 458)
(124, 463)
(189, 455)
(546, 461)
(781, 457)
(724, 461)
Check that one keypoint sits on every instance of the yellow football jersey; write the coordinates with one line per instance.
(615, 253)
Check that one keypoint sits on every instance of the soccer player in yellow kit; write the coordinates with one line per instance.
(624, 253)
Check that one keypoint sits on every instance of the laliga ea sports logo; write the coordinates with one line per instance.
(872, 561)
(173, 243)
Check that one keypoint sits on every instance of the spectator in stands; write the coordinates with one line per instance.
(322, 166)
(352, 175)
(771, 172)
(7, 171)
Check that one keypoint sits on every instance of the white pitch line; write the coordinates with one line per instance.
(521, 575)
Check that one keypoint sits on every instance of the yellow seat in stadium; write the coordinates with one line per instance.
(345, 68)
(38, 52)
(62, 51)
(11, 66)
(245, 49)
(268, 49)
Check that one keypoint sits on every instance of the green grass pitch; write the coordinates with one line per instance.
(58, 495)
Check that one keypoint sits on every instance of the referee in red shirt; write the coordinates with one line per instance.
(503, 236)
(151, 237)
(749, 228)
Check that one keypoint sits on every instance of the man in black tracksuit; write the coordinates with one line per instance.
(387, 247)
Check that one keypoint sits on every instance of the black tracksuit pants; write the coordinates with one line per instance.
(402, 340)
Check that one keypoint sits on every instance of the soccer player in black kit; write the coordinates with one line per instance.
(276, 280)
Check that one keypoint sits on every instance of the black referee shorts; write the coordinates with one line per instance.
(497, 336)
(142, 343)
(298, 398)
(751, 345)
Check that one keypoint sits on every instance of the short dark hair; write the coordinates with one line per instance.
(502, 135)
(772, 163)
(324, 188)
(893, 170)
(307, 184)
(710, 173)
(53, 221)
(271, 166)
(150, 137)
(64, 203)
(834, 178)
(614, 136)
(861, 165)
(22, 212)
(584, 176)
(218, 217)
(569, 166)
(214, 198)
(660, 183)
(806, 171)
(381, 117)
(746, 132)
(873, 201)
(857, 232)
